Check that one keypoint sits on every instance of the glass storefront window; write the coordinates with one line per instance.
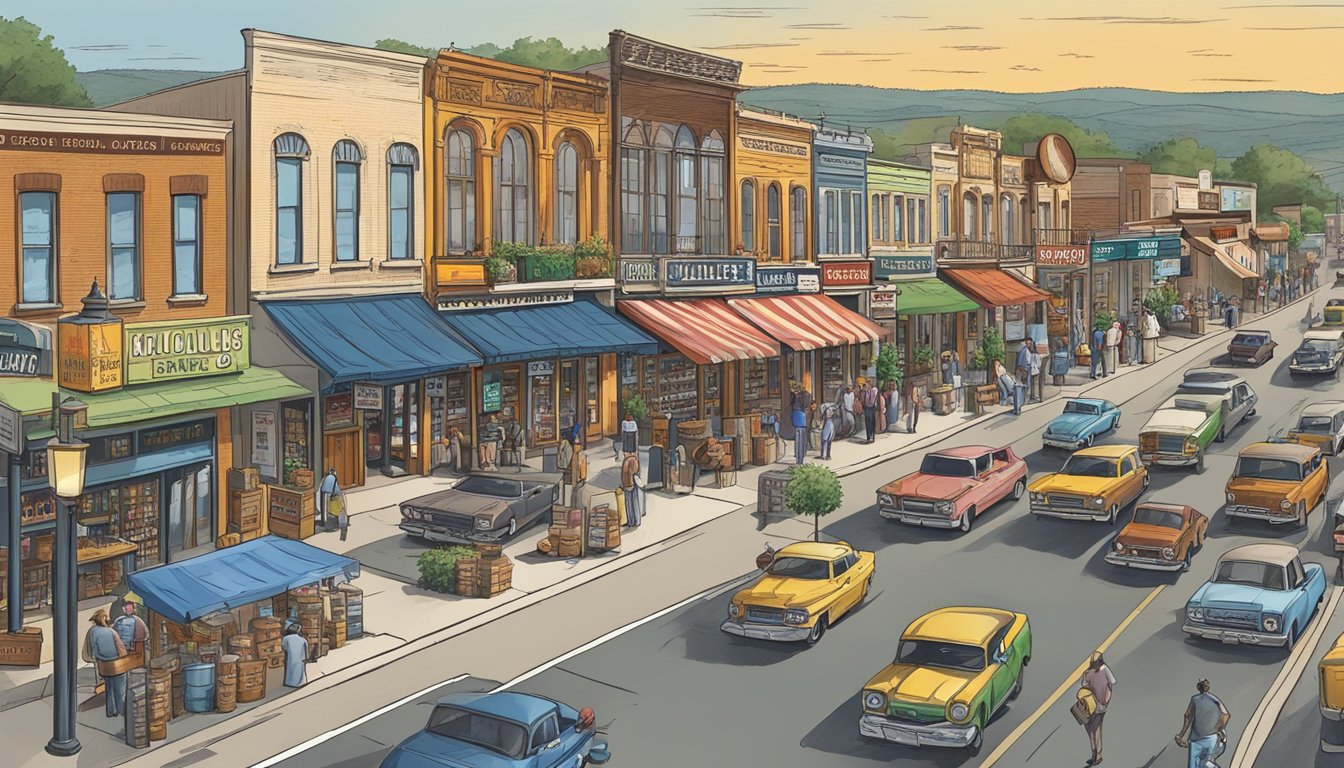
(569, 394)
(296, 421)
(712, 376)
(592, 388)
(833, 377)
(541, 399)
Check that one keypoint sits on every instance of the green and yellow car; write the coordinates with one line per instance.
(1180, 432)
(954, 668)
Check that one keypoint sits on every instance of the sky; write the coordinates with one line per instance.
(1005, 45)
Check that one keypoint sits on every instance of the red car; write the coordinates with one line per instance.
(954, 486)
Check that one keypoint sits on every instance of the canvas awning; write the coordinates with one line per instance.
(1222, 258)
(557, 330)
(174, 398)
(704, 330)
(993, 287)
(808, 321)
(929, 296)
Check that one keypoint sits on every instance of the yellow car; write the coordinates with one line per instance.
(806, 588)
(1331, 671)
(1094, 484)
(1277, 483)
(954, 668)
(1322, 425)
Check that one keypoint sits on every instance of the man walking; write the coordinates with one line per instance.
(800, 408)
(1113, 346)
(629, 484)
(1151, 330)
(1205, 722)
(1098, 352)
(870, 411)
(295, 647)
(330, 487)
(564, 460)
(1024, 367)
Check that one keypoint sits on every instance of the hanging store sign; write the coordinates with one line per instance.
(436, 386)
(886, 267)
(88, 354)
(788, 280)
(504, 300)
(492, 392)
(845, 273)
(338, 412)
(701, 275)
(882, 303)
(541, 368)
(1061, 255)
(367, 397)
(180, 349)
(1167, 247)
(1166, 268)
(25, 350)
(11, 431)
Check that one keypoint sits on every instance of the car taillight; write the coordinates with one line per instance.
(587, 719)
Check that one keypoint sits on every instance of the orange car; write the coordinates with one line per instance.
(1277, 483)
(1161, 537)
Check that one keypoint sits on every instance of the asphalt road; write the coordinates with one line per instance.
(676, 691)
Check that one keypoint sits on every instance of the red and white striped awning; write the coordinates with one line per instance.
(809, 321)
(704, 330)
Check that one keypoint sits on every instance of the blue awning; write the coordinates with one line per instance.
(557, 330)
(236, 576)
(385, 339)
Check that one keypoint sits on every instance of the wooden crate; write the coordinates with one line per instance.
(488, 550)
(244, 479)
(245, 510)
(465, 575)
(494, 576)
(300, 530)
(22, 648)
(764, 450)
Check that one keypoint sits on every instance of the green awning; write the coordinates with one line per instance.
(173, 398)
(27, 396)
(930, 296)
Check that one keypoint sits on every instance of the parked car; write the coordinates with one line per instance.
(480, 508)
(1239, 400)
(807, 587)
(1321, 352)
(1251, 348)
(1277, 482)
(954, 669)
(1160, 537)
(1083, 420)
(1179, 433)
(1330, 674)
(1260, 594)
(1094, 484)
(1333, 312)
(1322, 425)
(502, 730)
(954, 486)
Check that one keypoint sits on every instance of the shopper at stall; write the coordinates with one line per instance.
(564, 463)
(341, 511)
(103, 644)
(1098, 352)
(132, 629)
(630, 486)
(330, 486)
(629, 436)
(488, 450)
(295, 647)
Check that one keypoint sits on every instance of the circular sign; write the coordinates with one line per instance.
(1055, 155)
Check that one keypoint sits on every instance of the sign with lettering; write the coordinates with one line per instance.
(882, 304)
(1205, 179)
(455, 273)
(541, 368)
(700, 275)
(164, 438)
(263, 441)
(639, 273)
(492, 392)
(1166, 268)
(1237, 199)
(89, 354)
(338, 411)
(1165, 247)
(1061, 255)
(788, 280)
(840, 163)
(504, 300)
(367, 397)
(25, 350)
(108, 143)
(887, 266)
(841, 273)
(184, 349)
(773, 146)
(11, 431)
(436, 386)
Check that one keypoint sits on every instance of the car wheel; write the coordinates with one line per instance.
(1250, 413)
(1146, 480)
(513, 526)
(1222, 434)
(1302, 514)
(1292, 637)
(867, 585)
(818, 630)
(1087, 441)
(967, 519)
(1017, 687)
(1019, 488)
(1115, 514)
(977, 741)
(1199, 463)
(1115, 424)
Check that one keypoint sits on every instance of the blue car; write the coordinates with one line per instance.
(501, 730)
(1260, 594)
(1084, 419)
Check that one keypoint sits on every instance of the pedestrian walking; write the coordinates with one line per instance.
(1113, 336)
(630, 485)
(870, 412)
(1205, 723)
(488, 451)
(338, 508)
(1098, 352)
(629, 436)
(564, 464)
(912, 405)
(103, 644)
(800, 411)
(1036, 382)
(881, 410)
(1020, 389)
(1099, 681)
(847, 401)
(893, 399)
(1005, 382)
(330, 486)
(295, 647)
(827, 430)
(1150, 330)
(1023, 364)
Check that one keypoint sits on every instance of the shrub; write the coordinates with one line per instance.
(1102, 320)
(637, 408)
(1160, 300)
(991, 347)
(813, 490)
(438, 567)
(889, 364)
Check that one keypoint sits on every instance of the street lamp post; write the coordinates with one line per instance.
(65, 470)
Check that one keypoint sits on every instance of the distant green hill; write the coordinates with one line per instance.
(109, 86)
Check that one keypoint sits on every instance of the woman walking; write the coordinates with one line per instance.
(1099, 680)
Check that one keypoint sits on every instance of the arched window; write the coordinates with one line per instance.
(798, 223)
(1024, 214)
(748, 237)
(291, 151)
(402, 162)
(660, 191)
(634, 156)
(944, 212)
(687, 207)
(713, 203)
(968, 219)
(1006, 219)
(567, 194)
(774, 233)
(986, 218)
(347, 157)
(460, 191)
(513, 189)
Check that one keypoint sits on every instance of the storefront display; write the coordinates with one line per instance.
(671, 386)
(833, 374)
(541, 408)
(296, 426)
(448, 408)
(760, 385)
(569, 395)
(712, 376)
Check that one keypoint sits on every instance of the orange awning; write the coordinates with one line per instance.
(993, 287)
(704, 330)
(1223, 258)
(809, 321)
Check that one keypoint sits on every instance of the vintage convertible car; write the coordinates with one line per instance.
(954, 669)
(806, 587)
(1180, 431)
(1322, 425)
(1083, 420)
(480, 508)
(1161, 537)
(1260, 594)
(1239, 400)
(1321, 352)
(502, 730)
(954, 486)
(1251, 348)
(1277, 483)
(1094, 484)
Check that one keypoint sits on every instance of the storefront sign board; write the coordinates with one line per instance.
(89, 355)
(456, 273)
(1166, 268)
(504, 300)
(11, 431)
(845, 273)
(1237, 199)
(788, 280)
(436, 386)
(701, 275)
(492, 391)
(1061, 255)
(885, 267)
(541, 368)
(840, 162)
(773, 146)
(166, 438)
(108, 143)
(185, 349)
(338, 411)
(263, 441)
(24, 350)
(639, 273)
(367, 397)
(1137, 248)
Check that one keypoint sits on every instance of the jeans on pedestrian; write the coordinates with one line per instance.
(632, 510)
(1019, 395)
(1202, 750)
(1005, 389)
(115, 695)
(870, 422)
(825, 448)
(800, 445)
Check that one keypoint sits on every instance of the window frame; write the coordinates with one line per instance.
(539, 739)
(290, 150)
(798, 223)
(747, 220)
(944, 211)
(515, 148)
(137, 247)
(566, 224)
(774, 223)
(199, 288)
(464, 221)
(337, 211)
(51, 247)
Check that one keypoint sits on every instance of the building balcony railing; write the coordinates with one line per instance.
(982, 252)
(1061, 236)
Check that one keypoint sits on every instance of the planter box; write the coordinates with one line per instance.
(538, 268)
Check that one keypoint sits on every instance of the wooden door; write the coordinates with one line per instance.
(341, 449)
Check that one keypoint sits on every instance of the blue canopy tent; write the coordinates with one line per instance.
(233, 577)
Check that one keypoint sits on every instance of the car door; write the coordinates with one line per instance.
(535, 500)
(1337, 432)
(1131, 483)
(1318, 480)
(846, 589)
(1244, 401)
(1299, 609)
(546, 746)
(1001, 659)
(1002, 477)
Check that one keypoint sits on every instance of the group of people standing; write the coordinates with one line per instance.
(876, 408)
(1139, 339)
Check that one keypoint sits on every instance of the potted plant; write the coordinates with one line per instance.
(922, 362)
(639, 411)
(890, 365)
(501, 266)
(592, 259)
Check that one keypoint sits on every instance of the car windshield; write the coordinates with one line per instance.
(506, 738)
(1073, 406)
(1247, 340)
(932, 653)
(800, 568)
(490, 486)
(1317, 424)
(1335, 303)
(1163, 518)
(1315, 345)
(1261, 575)
(947, 466)
(1268, 469)
(1089, 466)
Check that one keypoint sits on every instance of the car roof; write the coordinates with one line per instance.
(1205, 400)
(1106, 451)
(1279, 451)
(1324, 408)
(1088, 401)
(1209, 376)
(1179, 508)
(1276, 554)
(823, 550)
(509, 705)
(1252, 333)
(1334, 302)
(965, 451)
(971, 626)
(1322, 335)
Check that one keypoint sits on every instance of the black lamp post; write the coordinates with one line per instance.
(65, 471)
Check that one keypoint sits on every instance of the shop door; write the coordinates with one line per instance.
(403, 417)
(374, 440)
(190, 510)
(592, 393)
(341, 450)
(571, 406)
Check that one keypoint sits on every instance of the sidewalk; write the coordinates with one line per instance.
(400, 617)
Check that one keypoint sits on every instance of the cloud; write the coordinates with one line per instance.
(747, 46)
(818, 25)
(1210, 55)
(742, 11)
(862, 53)
(952, 71)
(872, 60)
(1072, 55)
(1291, 29)
(1285, 5)
(1124, 19)
(905, 17)
(1232, 80)
(1024, 68)
(974, 48)
(949, 29)
(100, 48)
(800, 38)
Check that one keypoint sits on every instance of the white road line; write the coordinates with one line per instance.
(1262, 722)
(333, 733)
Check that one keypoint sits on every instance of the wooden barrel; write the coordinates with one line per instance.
(243, 647)
(251, 681)
(226, 683)
(272, 653)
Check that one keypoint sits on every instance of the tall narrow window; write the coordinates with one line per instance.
(798, 223)
(1024, 213)
(922, 218)
(660, 191)
(290, 153)
(123, 246)
(846, 222)
(773, 226)
(859, 226)
(944, 212)
(460, 170)
(1006, 220)
(39, 247)
(402, 161)
(968, 218)
(347, 157)
(633, 156)
(1044, 216)
(513, 189)
(986, 218)
(186, 245)
(567, 194)
(830, 222)
(878, 202)
(687, 207)
(748, 238)
(898, 234)
(713, 202)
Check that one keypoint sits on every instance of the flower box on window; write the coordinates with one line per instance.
(546, 264)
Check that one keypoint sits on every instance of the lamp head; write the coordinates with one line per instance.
(65, 468)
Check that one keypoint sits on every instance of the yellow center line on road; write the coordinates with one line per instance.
(1069, 682)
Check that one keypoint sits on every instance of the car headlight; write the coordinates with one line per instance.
(734, 610)
(1191, 444)
(1285, 505)
(1168, 553)
(407, 514)
(884, 499)
(943, 507)
(1037, 498)
(1231, 497)
(795, 616)
(483, 523)
(958, 712)
(1271, 623)
(1098, 501)
(874, 700)
(1119, 546)
(1194, 612)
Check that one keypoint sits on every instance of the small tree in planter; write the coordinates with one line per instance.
(991, 348)
(923, 359)
(639, 411)
(889, 365)
(813, 490)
